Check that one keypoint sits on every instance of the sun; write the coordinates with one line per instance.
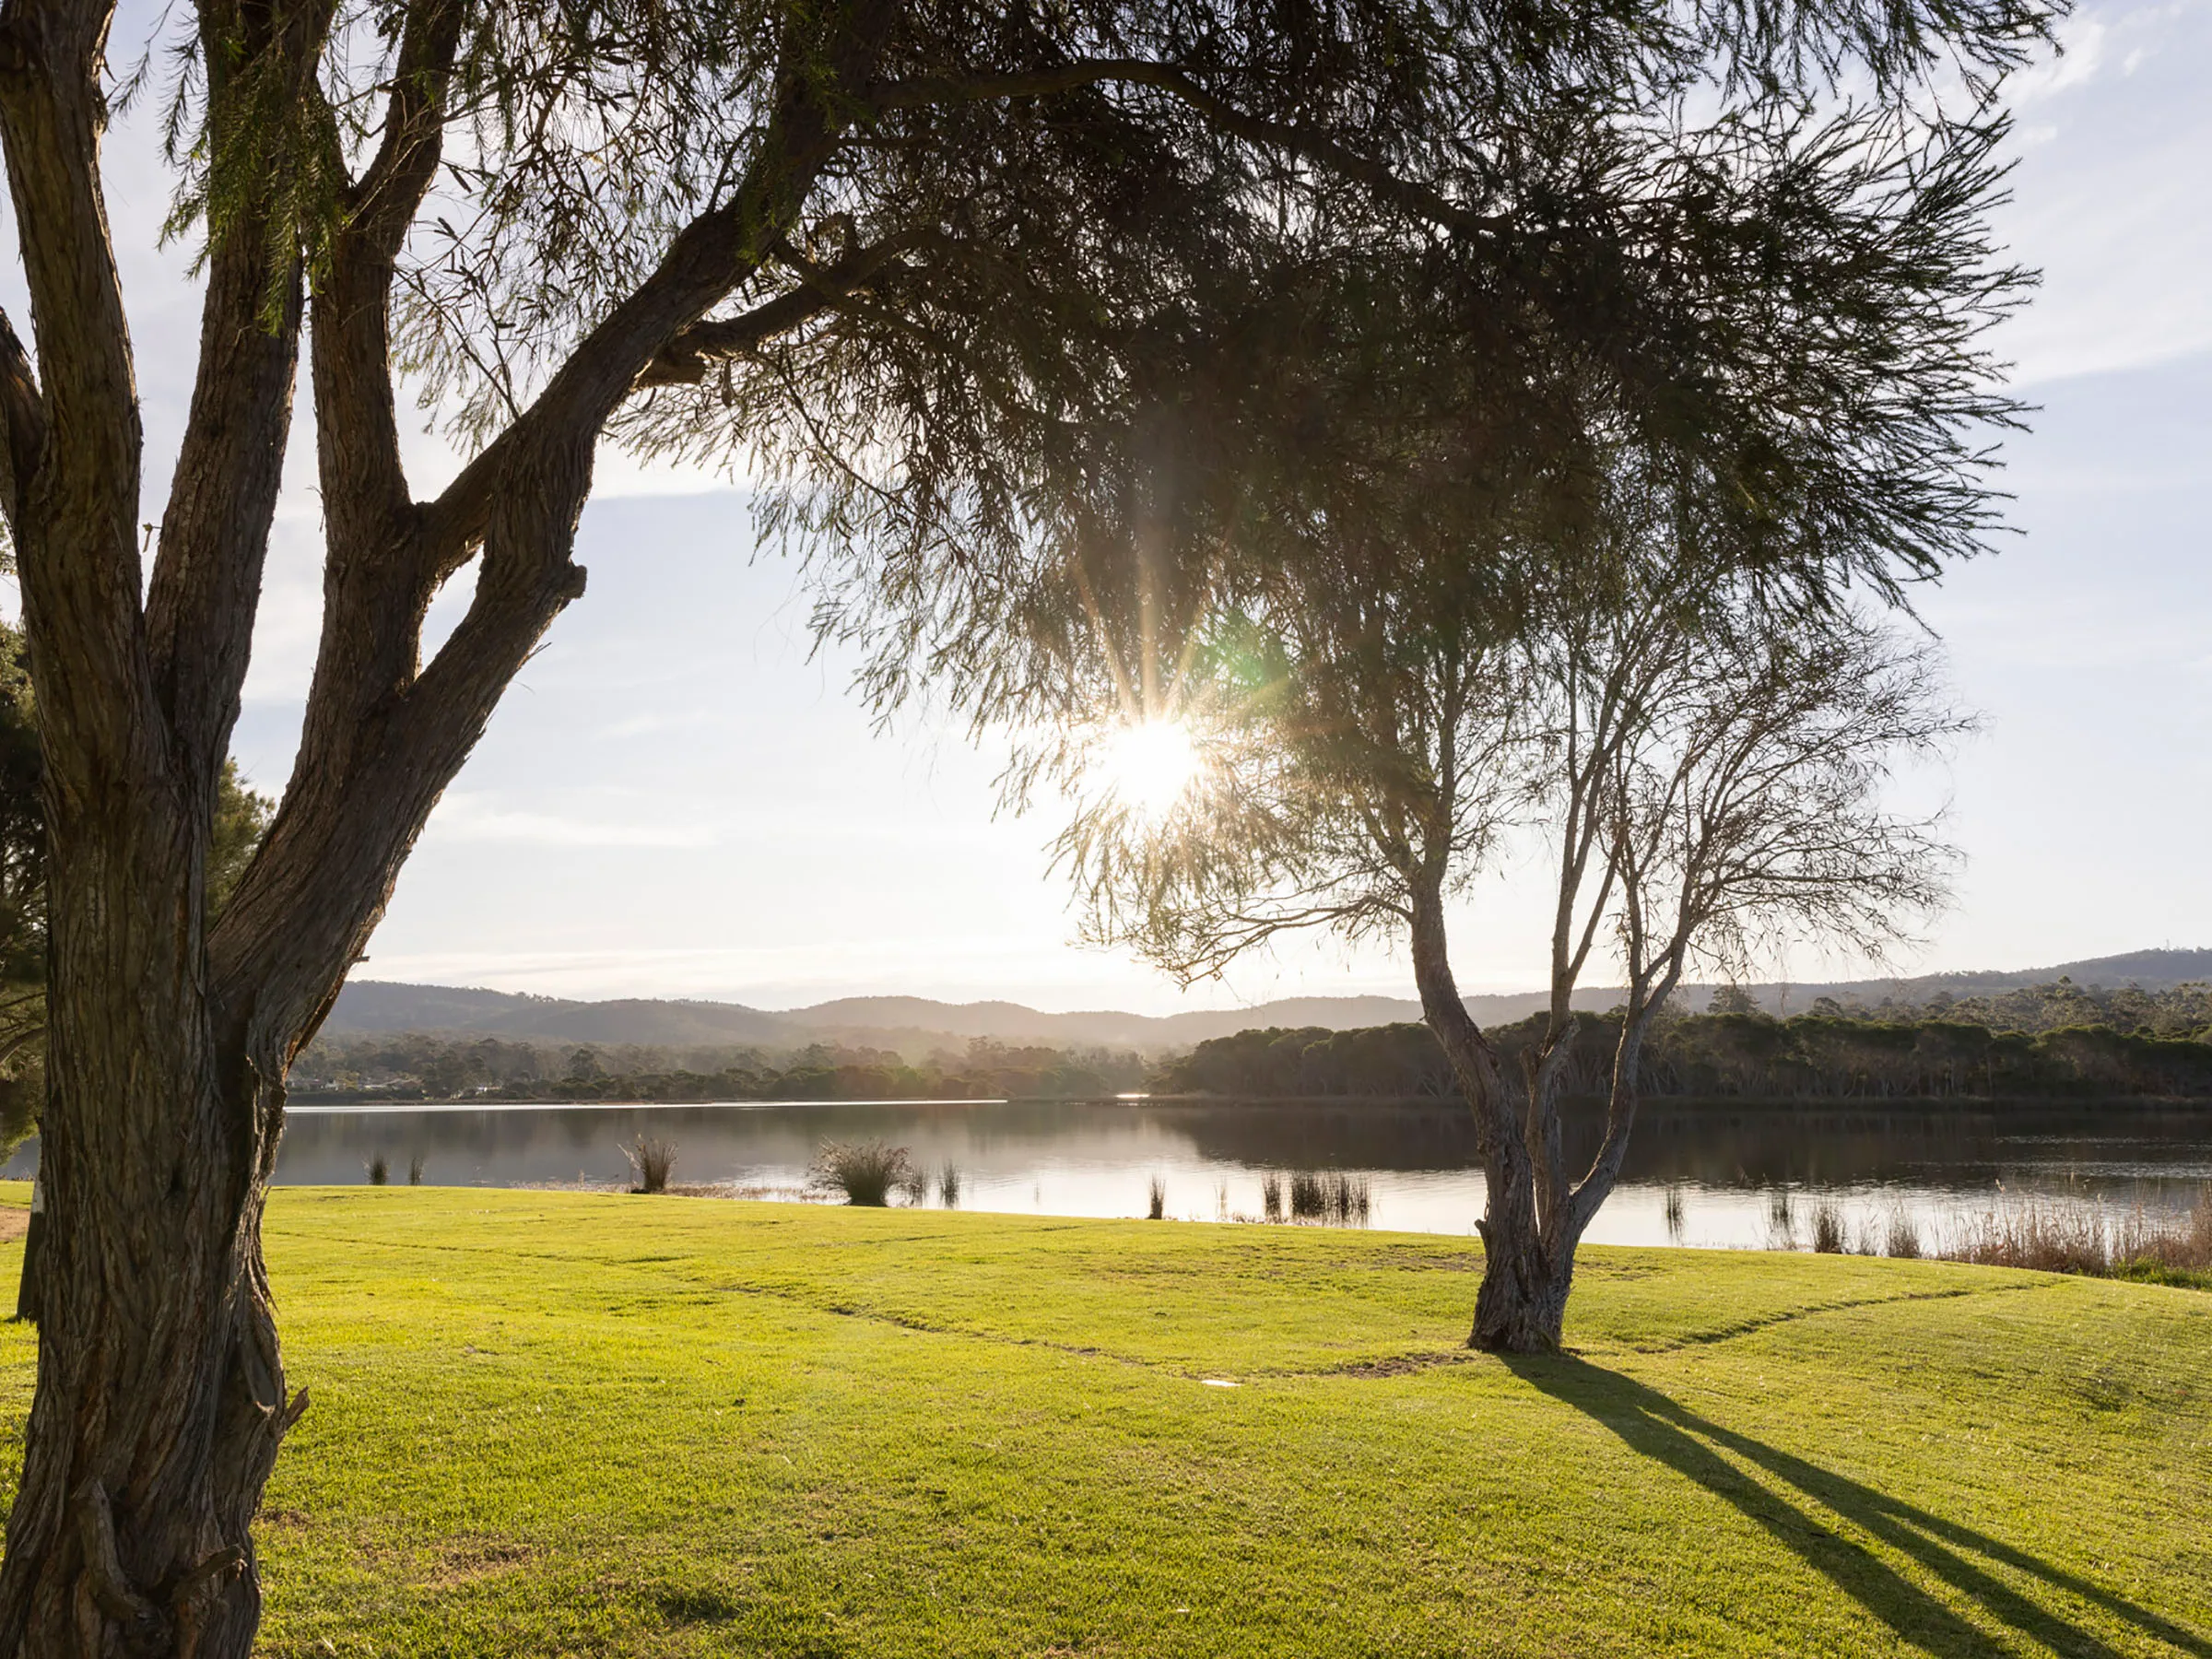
(1148, 764)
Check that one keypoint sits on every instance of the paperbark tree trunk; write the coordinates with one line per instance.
(160, 1403)
(1533, 1215)
(1520, 1306)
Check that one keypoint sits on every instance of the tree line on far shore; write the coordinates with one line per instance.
(1825, 1055)
(411, 1067)
(2057, 1039)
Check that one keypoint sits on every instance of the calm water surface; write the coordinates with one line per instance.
(1722, 1175)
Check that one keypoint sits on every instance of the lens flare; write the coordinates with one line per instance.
(1149, 765)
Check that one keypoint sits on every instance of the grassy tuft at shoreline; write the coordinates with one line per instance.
(565, 1423)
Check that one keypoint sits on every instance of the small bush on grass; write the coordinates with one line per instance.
(1902, 1240)
(652, 1160)
(867, 1171)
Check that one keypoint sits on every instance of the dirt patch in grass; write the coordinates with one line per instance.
(14, 1223)
(471, 1560)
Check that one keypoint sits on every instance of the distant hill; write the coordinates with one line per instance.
(2151, 970)
(916, 1023)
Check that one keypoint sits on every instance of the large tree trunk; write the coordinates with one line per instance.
(160, 1400)
(1534, 1218)
(1520, 1307)
(1522, 1303)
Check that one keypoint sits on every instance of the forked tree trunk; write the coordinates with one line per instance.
(1533, 1216)
(160, 1400)
(1521, 1304)
(1520, 1307)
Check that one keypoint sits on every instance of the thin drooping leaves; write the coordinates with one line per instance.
(1081, 336)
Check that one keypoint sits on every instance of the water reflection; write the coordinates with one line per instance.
(1717, 1174)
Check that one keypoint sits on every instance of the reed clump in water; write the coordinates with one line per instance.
(379, 1171)
(1829, 1236)
(867, 1171)
(1156, 1208)
(2078, 1239)
(1271, 1195)
(1329, 1197)
(652, 1161)
(949, 1186)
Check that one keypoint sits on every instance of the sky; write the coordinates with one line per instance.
(681, 797)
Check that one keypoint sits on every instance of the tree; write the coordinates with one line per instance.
(898, 251)
(22, 896)
(1712, 774)
(1702, 769)
(1343, 565)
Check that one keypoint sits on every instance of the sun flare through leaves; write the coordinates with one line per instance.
(1149, 765)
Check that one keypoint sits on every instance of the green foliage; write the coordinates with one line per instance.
(1813, 1056)
(22, 820)
(1731, 999)
(241, 818)
(410, 1066)
(1394, 1060)
(256, 141)
(552, 1423)
(2173, 1011)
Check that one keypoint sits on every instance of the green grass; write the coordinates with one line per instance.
(553, 1423)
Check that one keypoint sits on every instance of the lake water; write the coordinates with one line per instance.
(1716, 1174)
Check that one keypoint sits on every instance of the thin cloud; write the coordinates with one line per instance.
(465, 817)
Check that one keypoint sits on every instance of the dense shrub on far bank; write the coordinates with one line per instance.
(1742, 1056)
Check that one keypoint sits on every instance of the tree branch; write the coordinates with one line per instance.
(382, 737)
(77, 525)
(685, 359)
(206, 586)
(383, 203)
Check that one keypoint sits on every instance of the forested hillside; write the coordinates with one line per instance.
(2041, 1041)
(415, 1068)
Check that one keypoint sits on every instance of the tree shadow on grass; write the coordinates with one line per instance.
(1651, 1423)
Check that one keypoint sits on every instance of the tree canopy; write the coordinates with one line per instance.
(943, 276)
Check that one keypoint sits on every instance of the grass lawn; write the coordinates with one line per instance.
(556, 1423)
